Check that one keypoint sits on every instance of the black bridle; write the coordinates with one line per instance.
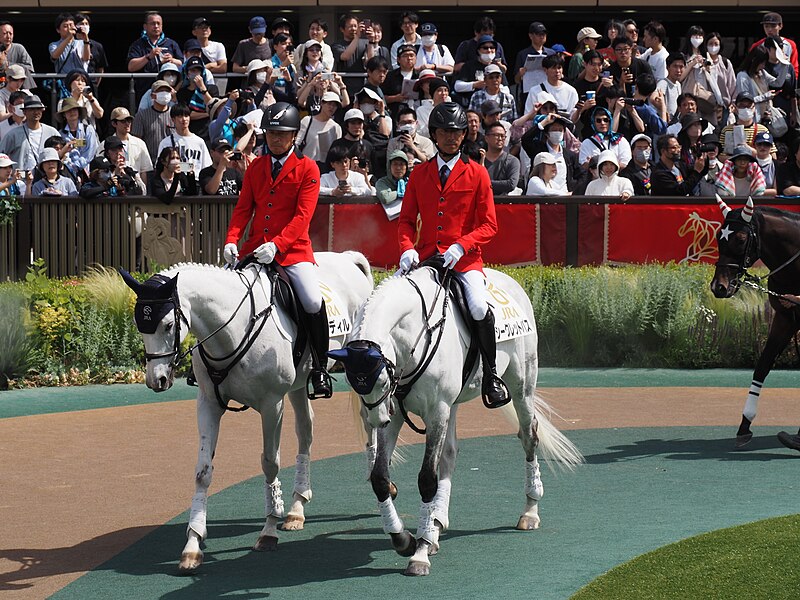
(752, 251)
(175, 355)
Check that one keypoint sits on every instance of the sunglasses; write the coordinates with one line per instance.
(603, 120)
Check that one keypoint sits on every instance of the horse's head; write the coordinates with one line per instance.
(737, 240)
(158, 318)
(371, 375)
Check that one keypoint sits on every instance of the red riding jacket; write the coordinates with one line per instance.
(281, 210)
(462, 213)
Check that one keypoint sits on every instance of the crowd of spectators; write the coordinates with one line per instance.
(661, 113)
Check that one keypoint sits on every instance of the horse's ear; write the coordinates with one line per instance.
(130, 281)
(342, 354)
(169, 286)
(723, 207)
(747, 211)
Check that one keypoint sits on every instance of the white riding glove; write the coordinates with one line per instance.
(452, 255)
(408, 259)
(265, 253)
(230, 253)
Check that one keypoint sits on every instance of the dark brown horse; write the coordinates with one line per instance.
(772, 235)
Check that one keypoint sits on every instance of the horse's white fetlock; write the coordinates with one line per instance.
(427, 529)
(389, 517)
(197, 515)
(441, 503)
(273, 499)
(302, 477)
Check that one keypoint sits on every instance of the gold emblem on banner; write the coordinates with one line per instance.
(702, 238)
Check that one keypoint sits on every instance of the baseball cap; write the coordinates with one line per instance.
(771, 18)
(280, 21)
(311, 43)
(100, 163)
(191, 44)
(744, 97)
(365, 91)
(200, 21)
(352, 114)
(195, 62)
(428, 29)
(257, 25)
(33, 102)
(544, 97)
(763, 137)
(221, 143)
(588, 32)
(490, 107)
(489, 69)
(120, 114)
(331, 97)
(486, 39)
(742, 151)
(403, 48)
(112, 142)
(561, 49)
(5, 161)
(537, 27)
(641, 136)
(544, 158)
(15, 72)
(158, 84)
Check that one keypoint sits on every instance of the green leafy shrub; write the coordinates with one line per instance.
(15, 357)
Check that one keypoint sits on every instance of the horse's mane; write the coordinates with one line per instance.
(389, 286)
(777, 212)
(192, 266)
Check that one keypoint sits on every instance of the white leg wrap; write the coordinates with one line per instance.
(197, 515)
(371, 452)
(441, 502)
(751, 405)
(302, 477)
(389, 516)
(533, 480)
(273, 499)
(427, 529)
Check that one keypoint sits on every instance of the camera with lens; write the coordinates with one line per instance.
(3, 47)
(634, 102)
(706, 147)
(290, 48)
(245, 94)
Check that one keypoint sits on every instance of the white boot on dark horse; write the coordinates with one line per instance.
(246, 353)
(407, 354)
(772, 235)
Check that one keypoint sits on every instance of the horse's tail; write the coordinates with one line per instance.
(362, 263)
(555, 447)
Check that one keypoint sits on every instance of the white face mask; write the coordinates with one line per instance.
(713, 162)
(408, 128)
(171, 79)
(367, 108)
(487, 57)
(261, 77)
(642, 155)
(174, 162)
(19, 111)
(163, 98)
(746, 114)
(765, 162)
(713, 50)
(696, 41)
(86, 29)
(555, 137)
(428, 40)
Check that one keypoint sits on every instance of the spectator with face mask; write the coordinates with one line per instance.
(15, 115)
(15, 82)
(772, 23)
(552, 140)
(15, 54)
(153, 124)
(70, 52)
(416, 146)
(25, 143)
(745, 122)
(639, 169)
(98, 62)
(432, 55)
(467, 49)
(13, 182)
(472, 76)
(197, 93)
(151, 50)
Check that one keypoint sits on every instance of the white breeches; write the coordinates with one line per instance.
(475, 291)
(306, 285)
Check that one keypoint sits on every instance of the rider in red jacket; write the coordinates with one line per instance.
(280, 193)
(453, 197)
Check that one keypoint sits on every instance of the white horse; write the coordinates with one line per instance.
(249, 337)
(397, 327)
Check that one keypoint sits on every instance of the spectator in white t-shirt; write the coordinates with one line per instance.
(670, 86)
(432, 55)
(409, 23)
(191, 147)
(656, 54)
(319, 127)
(566, 96)
(215, 58)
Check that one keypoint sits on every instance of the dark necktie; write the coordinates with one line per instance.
(276, 169)
(444, 173)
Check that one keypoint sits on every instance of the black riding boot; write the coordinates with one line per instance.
(319, 384)
(493, 390)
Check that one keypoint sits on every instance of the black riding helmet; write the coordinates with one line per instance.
(447, 115)
(281, 116)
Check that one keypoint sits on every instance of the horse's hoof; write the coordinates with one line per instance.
(393, 490)
(743, 440)
(266, 543)
(293, 523)
(417, 569)
(789, 440)
(190, 562)
(528, 523)
(404, 543)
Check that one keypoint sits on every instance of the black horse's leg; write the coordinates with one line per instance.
(780, 332)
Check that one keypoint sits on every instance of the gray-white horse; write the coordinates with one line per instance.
(405, 335)
(246, 354)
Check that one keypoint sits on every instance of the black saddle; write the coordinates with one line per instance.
(458, 300)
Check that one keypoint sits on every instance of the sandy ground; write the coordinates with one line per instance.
(79, 487)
